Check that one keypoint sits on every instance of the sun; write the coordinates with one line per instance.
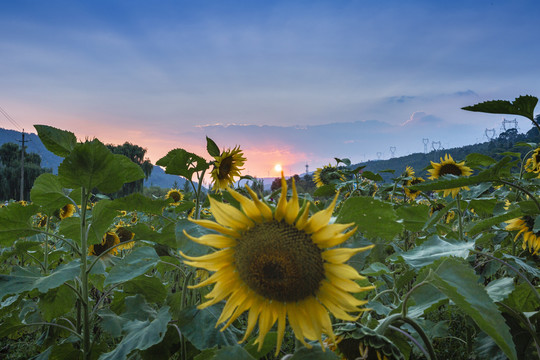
(278, 167)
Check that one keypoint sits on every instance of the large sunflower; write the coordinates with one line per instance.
(176, 195)
(449, 166)
(525, 225)
(109, 240)
(279, 264)
(412, 194)
(125, 236)
(226, 167)
(66, 211)
(533, 163)
(326, 175)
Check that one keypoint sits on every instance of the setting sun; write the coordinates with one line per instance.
(278, 167)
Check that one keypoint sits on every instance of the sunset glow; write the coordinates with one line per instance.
(278, 168)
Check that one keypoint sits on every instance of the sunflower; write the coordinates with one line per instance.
(525, 225)
(125, 236)
(412, 194)
(279, 264)
(176, 195)
(327, 175)
(449, 166)
(109, 240)
(533, 163)
(409, 172)
(354, 341)
(226, 167)
(66, 211)
(40, 220)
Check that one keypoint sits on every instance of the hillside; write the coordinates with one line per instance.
(50, 160)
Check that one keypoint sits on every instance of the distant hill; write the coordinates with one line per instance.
(50, 160)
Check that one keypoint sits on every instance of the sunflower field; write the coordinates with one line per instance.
(436, 266)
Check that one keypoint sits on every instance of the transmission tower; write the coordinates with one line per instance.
(436, 145)
(490, 134)
(392, 151)
(307, 168)
(426, 142)
(509, 124)
(22, 141)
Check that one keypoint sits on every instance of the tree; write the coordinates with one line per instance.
(136, 154)
(10, 171)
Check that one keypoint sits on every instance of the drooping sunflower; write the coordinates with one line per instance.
(109, 240)
(412, 194)
(409, 172)
(176, 195)
(66, 211)
(449, 166)
(525, 225)
(226, 166)
(533, 163)
(41, 220)
(279, 264)
(125, 236)
(326, 175)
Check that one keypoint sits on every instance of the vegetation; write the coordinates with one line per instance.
(84, 276)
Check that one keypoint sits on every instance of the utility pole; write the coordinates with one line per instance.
(22, 167)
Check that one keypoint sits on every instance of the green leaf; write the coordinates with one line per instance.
(26, 279)
(426, 299)
(475, 160)
(483, 207)
(315, 353)
(199, 327)
(134, 264)
(523, 105)
(16, 222)
(524, 266)
(183, 163)
(375, 218)
(59, 142)
(376, 269)
(139, 202)
(140, 335)
(474, 228)
(56, 302)
(457, 280)
(325, 190)
(103, 215)
(70, 228)
(269, 344)
(212, 148)
(151, 288)
(235, 352)
(523, 299)
(414, 216)
(48, 192)
(372, 176)
(499, 289)
(185, 244)
(92, 165)
(433, 249)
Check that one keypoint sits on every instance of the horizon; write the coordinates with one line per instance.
(291, 83)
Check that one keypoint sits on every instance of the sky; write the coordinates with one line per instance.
(291, 82)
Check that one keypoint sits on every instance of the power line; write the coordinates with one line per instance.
(11, 120)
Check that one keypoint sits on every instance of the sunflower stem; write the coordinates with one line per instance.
(84, 279)
(46, 251)
(460, 216)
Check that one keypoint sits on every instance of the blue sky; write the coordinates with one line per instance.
(294, 82)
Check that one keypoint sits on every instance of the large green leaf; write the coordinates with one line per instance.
(56, 302)
(140, 335)
(523, 105)
(433, 249)
(499, 289)
(26, 279)
(212, 147)
(70, 228)
(59, 142)
(103, 215)
(151, 288)
(185, 244)
(414, 216)
(523, 299)
(476, 227)
(139, 202)
(457, 280)
(16, 222)
(49, 193)
(375, 218)
(183, 163)
(199, 327)
(134, 264)
(92, 165)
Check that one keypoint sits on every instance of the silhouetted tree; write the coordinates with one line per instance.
(136, 154)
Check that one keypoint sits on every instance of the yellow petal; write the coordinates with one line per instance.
(321, 218)
(209, 224)
(293, 206)
(341, 255)
(265, 211)
(303, 219)
(267, 319)
(281, 208)
(249, 207)
(214, 240)
(329, 231)
(228, 215)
